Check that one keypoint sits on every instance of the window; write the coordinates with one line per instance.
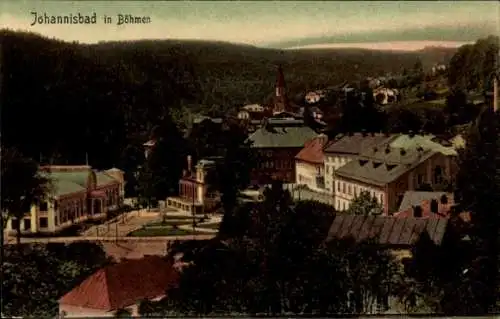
(327, 169)
(27, 224)
(438, 175)
(338, 188)
(420, 179)
(56, 220)
(349, 190)
(343, 188)
(343, 206)
(43, 206)
(44, 222)
(14, 223)
(56, 205)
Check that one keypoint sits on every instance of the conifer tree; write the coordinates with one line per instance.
(478, 191)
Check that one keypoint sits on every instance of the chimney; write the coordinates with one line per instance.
(495, 94)
(189, 163)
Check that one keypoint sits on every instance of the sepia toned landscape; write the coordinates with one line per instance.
(342, 165)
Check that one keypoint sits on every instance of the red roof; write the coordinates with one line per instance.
(443, 211)
(313, 150)
(123, 284)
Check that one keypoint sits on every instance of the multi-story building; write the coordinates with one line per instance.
(276, 143)
(309, 164)
(76, 193)
(387, 173)
(195, 194)
(345, 148)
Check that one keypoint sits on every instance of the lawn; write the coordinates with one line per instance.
(209, 226)
(163, 231)
(171, 222)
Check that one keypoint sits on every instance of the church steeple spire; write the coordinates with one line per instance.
(280, 100)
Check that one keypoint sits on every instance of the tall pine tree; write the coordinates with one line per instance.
(478, 191)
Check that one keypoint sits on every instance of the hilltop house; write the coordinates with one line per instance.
(195, 196)
(77, 193)
(309, 164)
(276, 143)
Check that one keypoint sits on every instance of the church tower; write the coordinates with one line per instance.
(280, 99)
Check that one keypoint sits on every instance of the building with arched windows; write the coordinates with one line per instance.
(76, 194)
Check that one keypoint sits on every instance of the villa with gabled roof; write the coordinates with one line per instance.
(76, 193)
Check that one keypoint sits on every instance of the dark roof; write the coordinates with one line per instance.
(381, 168)
(387, 230)
(356, 143)
(123, 284)
(272, 135)
(414, 198)
(313, 150)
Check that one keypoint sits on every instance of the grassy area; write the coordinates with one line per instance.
(210, 225)
(170, 222)
(164, 231)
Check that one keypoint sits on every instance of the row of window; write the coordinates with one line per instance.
(336, 159)
(277, 164)
(43, 223)
(347, 188)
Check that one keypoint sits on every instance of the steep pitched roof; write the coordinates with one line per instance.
(123, 284)
(387, 230)
(381, 168)
(271, 136)
(313, 150)
(356, 143)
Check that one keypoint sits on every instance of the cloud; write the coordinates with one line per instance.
(459, 34)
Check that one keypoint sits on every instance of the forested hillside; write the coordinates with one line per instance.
(66, 99)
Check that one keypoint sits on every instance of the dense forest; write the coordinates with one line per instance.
(62, 100)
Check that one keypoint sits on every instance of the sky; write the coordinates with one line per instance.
(277, 24)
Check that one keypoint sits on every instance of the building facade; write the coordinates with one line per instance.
(309, 165)
(77, 193)
(195, 195)
(345, 148)
(276, 144)
(387, 173)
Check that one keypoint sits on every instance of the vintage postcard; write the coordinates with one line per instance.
(249, 158)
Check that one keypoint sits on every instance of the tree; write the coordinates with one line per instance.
(160, 174)
(122, 313)
(478, 191)
(35, 277)
(233, 171)
(365, 204)
(22, 186)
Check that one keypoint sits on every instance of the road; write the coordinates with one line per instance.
(113, 239)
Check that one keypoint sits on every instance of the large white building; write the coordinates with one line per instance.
(390, 168)
(345, 148)
(76, 193)
(309, 165)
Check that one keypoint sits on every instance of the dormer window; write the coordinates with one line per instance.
(390, 166)
(376, 164)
